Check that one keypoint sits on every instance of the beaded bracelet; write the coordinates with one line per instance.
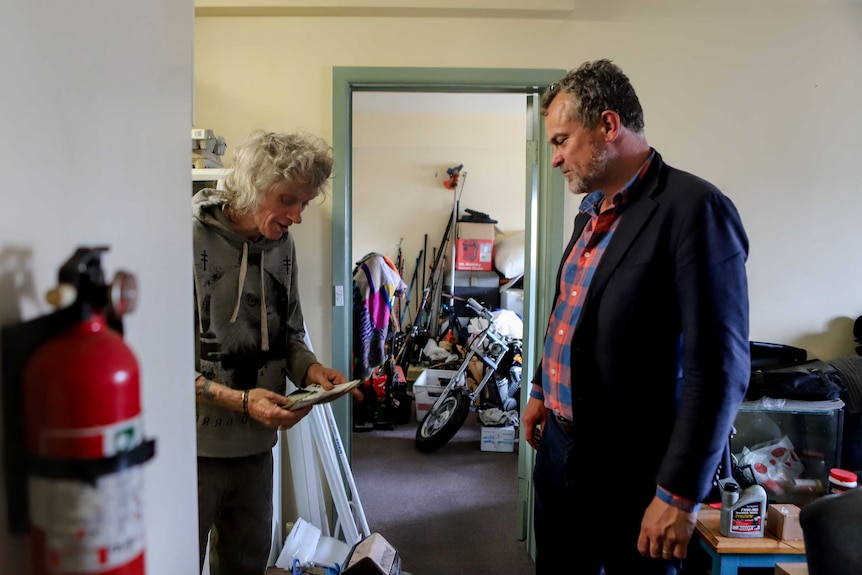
(245, 403)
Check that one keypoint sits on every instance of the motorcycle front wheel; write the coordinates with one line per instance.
(442, 422)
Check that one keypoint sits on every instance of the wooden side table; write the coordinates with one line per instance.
(728, 554)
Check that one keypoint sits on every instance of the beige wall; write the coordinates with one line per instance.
(399, 167)
(761, 98)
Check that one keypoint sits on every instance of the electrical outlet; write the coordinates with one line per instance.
(339, 296)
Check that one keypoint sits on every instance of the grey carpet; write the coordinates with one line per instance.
(449, 512)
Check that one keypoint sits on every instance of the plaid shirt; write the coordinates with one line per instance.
(578, 270)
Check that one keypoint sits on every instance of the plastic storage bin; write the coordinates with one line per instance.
(428, 387)
(788, 446)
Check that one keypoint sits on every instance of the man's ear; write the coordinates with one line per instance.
(610, 125)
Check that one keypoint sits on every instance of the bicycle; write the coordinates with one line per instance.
(449, 411)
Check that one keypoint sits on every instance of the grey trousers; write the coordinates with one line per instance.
(235, 510)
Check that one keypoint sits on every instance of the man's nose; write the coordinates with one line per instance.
(556, 161)
(295, 214)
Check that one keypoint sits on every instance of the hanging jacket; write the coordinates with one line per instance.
(376, 283)
(237, 282)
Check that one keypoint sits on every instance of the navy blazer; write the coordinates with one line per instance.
(660, 354)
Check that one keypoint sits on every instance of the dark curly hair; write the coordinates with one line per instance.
(595, 87)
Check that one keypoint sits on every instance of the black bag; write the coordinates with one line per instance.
(813, 380)
(765, 354)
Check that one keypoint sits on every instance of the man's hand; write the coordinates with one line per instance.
(268, 408)
(665, 531)
(533, 421)
(327, 377)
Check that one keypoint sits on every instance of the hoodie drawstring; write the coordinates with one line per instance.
(243, 270)
(264, 329)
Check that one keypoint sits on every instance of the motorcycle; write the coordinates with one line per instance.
(449, 411)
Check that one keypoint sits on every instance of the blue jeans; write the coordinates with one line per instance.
(235, 509)
(586, 518)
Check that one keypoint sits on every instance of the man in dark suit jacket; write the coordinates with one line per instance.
(646, 356)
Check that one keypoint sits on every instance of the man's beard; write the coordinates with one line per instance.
(595, 174)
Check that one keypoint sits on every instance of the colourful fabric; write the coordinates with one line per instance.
(376, 284)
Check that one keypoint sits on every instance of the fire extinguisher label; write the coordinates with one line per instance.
(93, 442)
(89, 528)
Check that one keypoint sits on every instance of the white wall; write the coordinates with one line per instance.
(759, 97)
(400, 162)
(95, 111)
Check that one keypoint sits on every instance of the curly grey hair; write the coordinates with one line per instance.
(268, 159)
(595, 87)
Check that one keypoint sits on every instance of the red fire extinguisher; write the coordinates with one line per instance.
(84, 431)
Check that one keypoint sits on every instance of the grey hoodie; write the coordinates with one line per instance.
(237, 282)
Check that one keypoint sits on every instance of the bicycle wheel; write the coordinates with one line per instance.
(441, 423)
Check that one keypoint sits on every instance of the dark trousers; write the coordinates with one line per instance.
(235, 510)
(586, 519)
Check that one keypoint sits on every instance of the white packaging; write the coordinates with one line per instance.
(500, 439)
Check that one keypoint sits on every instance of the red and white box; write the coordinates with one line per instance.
(475, 247)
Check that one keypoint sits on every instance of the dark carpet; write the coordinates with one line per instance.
(449, 512)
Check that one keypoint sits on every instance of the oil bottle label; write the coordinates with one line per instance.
(746, 519)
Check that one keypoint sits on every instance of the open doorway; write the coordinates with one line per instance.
(543, 243)
(422, 162)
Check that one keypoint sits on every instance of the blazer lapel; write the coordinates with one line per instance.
(636, 216)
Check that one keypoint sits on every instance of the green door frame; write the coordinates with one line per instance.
(543, 227)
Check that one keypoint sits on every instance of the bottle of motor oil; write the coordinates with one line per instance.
(743, 513)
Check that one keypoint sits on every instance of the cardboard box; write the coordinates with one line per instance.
(476, 231)
(474, 255)
(500, 439)
(428, 387)
(782, 521)
(791, 568)
(475, 247)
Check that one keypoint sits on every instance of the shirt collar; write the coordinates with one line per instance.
(593, 200)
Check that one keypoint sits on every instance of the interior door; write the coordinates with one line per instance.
(543, 228)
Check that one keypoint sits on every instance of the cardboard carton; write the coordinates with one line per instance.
(474, 255)
(791, 569)
(475, 247)
(782, 521)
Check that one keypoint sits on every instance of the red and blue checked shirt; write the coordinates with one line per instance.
(578, 270)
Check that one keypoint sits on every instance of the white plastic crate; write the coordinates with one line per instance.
(428, 387)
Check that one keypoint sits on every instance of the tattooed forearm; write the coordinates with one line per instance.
(204, 388)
